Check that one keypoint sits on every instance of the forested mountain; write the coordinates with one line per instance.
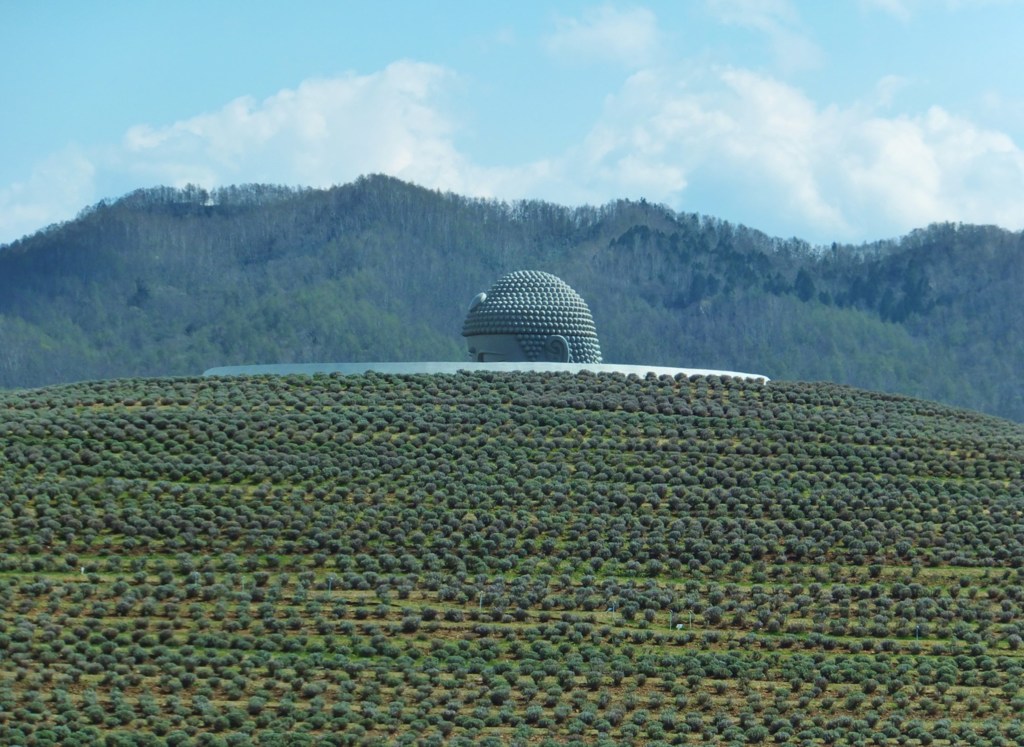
(168, 282)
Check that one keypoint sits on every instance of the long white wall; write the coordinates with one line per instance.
(440, 367)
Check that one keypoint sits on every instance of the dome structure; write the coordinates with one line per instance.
(545, 318)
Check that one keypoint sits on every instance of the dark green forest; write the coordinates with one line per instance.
(171, 282)
(506, 559)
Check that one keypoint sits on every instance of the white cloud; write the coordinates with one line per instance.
(766, 15)
(886, 90)
(776, 159)
(629, 37)
(1008, 111)
(827, 172)
(57, 189)
(780, 23)
(905, 10)
(899, 9)
(324, 132)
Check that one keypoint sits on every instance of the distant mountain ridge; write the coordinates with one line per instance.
(171, 282)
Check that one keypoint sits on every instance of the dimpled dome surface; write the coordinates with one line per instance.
(534, 305)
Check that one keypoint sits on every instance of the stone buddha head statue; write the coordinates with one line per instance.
(531, 316)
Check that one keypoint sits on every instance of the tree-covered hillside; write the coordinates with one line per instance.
(492, 559)
(170, 281)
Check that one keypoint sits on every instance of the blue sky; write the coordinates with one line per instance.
(828, 120)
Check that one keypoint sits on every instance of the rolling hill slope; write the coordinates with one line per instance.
(506, 559)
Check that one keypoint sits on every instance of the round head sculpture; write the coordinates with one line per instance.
(531, 316)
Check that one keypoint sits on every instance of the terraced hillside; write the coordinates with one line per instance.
(506, 559)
